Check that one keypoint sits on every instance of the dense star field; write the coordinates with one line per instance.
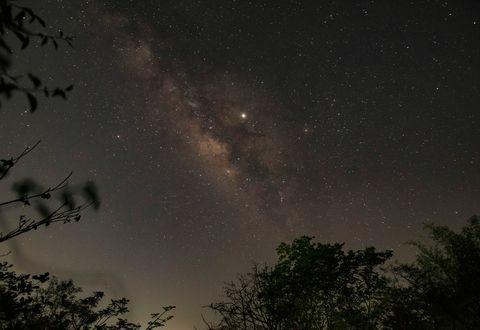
(217, 129)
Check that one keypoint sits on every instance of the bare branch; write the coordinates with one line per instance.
(60, 214)
(44, 194)
(7, 164)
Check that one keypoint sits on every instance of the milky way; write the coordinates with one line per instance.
(234, 127)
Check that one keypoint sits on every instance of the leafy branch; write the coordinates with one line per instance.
(29, 193)
(17, 20)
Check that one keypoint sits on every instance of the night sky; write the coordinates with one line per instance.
(217, 129)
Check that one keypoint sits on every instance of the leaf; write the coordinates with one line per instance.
(33, 102)
(46, 195)
(22, 221)
(24, 39)
(42, 278)
(5, 46)
(6, 11)
(25, 187)
(7, 162)
(59, 92)
(43, 210)
(30, 12)
(68, 200)
(41, 21)
(69, 88)
(55, 44)
(20, 17)
(7, 89)
(25, 42)
(91, 194)
(35, 80)
(44, 41)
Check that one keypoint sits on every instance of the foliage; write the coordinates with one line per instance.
(320, 286)
(444, 277)
(58, 203)
(312, 286)
(23, 24)
(42, 302)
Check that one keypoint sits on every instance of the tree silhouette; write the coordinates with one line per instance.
(444, 278)
(320, 286)
(41, 302)
(312, 286)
